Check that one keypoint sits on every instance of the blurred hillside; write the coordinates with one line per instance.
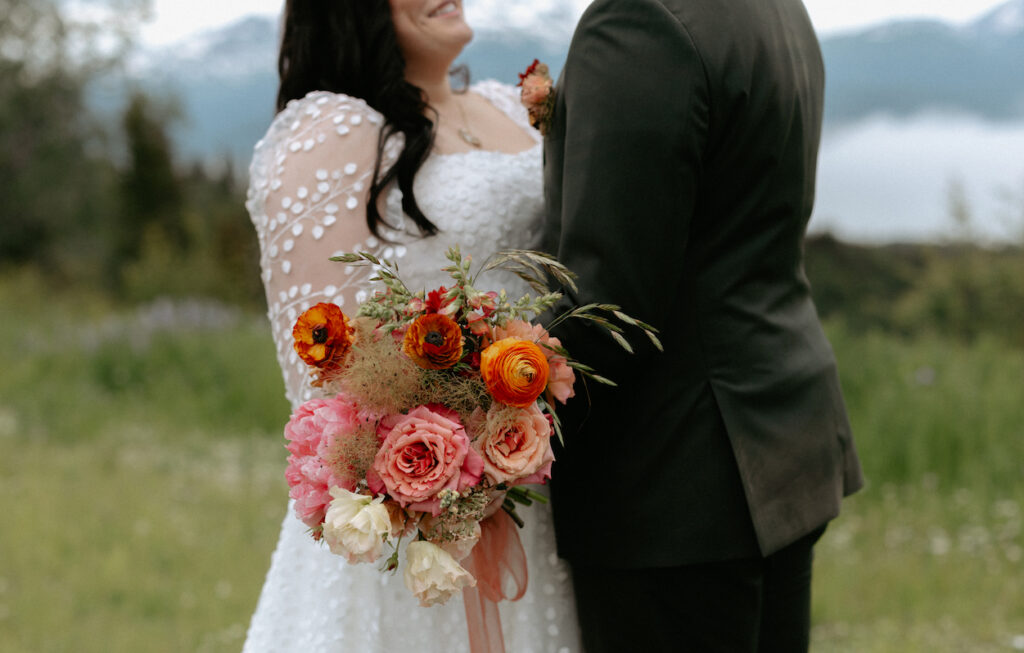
(908, 67)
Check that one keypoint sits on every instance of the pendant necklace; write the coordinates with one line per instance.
(464, 133)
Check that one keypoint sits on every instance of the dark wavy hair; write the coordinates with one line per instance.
(350, 47)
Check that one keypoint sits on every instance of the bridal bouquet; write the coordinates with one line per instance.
(437, 409)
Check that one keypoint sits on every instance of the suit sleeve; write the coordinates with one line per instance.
(634, 121)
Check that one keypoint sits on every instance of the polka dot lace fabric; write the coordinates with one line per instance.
(309, 181)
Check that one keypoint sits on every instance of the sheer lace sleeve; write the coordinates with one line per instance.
(309, 181)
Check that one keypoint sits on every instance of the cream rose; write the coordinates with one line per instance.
(356, 525)
(433, 575)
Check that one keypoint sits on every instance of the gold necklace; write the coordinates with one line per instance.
(464, 133)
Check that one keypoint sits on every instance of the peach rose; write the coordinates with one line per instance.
(515, 444)
(562, 377)
(515, 371)
(423, 453)
(536, 90)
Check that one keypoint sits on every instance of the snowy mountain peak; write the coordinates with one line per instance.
(1005, 20)
(546, 20)
(244, 47)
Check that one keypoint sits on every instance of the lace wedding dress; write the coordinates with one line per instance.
(309, 182)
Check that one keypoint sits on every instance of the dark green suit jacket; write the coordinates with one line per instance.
(679, 173)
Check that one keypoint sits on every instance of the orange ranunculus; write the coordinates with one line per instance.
(322, 335)
(433, 341)
(515, 371)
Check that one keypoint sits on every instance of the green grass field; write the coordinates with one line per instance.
(141, 483)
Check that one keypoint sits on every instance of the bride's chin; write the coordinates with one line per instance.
(457, 41)
(463, 35)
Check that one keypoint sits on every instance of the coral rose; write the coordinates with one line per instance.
(433, 341)
(515, 371)
(433, 575)
(561, 378)
(322, 335)
(515, 444)
(423, 453)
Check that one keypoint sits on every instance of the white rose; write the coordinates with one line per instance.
(356, 525)
(433, 575)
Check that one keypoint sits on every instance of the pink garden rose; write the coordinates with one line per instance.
(561, 377)
(423, 453)
(514, 443)
(314, 427)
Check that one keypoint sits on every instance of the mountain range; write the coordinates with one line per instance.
(225, 80)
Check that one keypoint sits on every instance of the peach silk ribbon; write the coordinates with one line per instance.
(498, 563)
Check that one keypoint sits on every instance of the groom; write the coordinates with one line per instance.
(679, 171)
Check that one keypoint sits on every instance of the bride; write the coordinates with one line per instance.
(372, 150)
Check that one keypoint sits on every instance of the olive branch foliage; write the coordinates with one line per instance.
(533, 267)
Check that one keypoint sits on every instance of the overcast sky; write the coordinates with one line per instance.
(177, 18)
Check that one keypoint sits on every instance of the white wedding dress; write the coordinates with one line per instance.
(309, 182)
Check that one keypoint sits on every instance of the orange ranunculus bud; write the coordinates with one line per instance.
(433, 341)
(515, 371)
(322, 335)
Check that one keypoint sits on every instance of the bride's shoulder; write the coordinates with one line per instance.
(503, 96)
(321, 131)
(496, 91)
(319, 112)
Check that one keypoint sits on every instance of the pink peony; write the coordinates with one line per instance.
(515, 444)
(309, 479)
(423, 453)
(303, 430)
(315, 427)
(561, 377)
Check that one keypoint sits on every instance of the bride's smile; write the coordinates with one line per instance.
(430, 29)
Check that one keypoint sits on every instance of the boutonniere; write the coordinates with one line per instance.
(537, 95)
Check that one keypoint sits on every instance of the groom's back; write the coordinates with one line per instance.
(680, 172)
(766, 84)
(745, 294)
